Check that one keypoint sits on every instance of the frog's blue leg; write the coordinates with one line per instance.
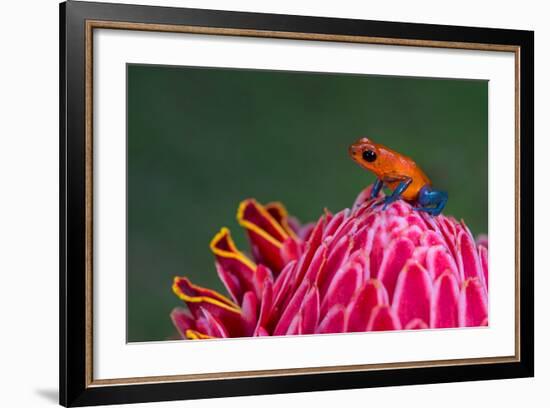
(397, 192)
(376, 188)
(431, 201)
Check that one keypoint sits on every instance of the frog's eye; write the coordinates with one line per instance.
(369, 156)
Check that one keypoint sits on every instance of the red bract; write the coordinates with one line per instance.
(363, 269)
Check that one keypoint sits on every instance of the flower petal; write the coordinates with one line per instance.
(234, 269)
(304, 231)
(469, 265)
(196, 335)
(413, 218)
(290, 251)
(473, 308)
(335, 259)
(448, 231)
(395, 256)
(344, 284)
(306, 320)
(366, 220)
(414, 233)
(310, 311)
(431, 238)
(360, 257)
(295, 326)
(438, 261)
(412, 294)
(483, 240)
(279, 213)
(214, 327)
(290, 311)
(189, 292)
(419, 255)
(282, 288)
(309, 253)
(333, 322)
(265, 234)
(335, 222)
(249, 312)
(484, 258)
(347, 228)
(444, 302)
(395, 226)
(182, 320)
(360, 238)
(416, 324)
(262, 275)
(317, 264)
(375, 247)
(198, 298)
(399, 208)
(362, 198)
(358, 313)
(383, 318)
(265, 307)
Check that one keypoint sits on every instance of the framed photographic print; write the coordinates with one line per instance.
(255, 203)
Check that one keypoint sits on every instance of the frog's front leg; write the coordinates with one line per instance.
(378, 184)
(431, 201)
(400, 189)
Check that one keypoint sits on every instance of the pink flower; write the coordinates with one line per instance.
(358, 270)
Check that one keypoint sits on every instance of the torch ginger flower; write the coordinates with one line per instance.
(364, 269)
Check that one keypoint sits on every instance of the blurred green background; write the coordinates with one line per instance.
(200, 140)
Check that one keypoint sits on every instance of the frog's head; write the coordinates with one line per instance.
(366, 153)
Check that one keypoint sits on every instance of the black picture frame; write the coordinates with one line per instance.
(75, 387)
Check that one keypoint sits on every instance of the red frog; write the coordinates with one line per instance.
(400, 174)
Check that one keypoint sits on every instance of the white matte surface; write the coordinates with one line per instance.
(114, 358)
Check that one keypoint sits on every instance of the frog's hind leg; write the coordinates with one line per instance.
(431, 201)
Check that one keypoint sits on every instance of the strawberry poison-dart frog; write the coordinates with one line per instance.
(400, 174)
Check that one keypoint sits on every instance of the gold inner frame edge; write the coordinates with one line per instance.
(97, 24)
